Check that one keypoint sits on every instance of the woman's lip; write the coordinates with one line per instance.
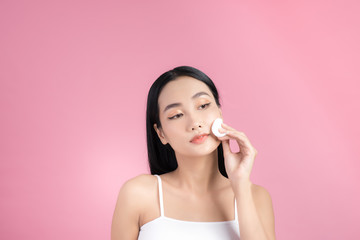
(199, 138)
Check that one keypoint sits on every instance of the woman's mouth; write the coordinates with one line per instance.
(199, 138)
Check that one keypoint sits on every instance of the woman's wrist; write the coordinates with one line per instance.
(242, 187)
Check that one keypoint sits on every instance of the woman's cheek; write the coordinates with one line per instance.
(212, 116)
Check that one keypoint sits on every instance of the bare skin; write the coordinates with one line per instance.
(196, 190)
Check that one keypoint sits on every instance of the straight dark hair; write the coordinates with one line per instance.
(161, 157)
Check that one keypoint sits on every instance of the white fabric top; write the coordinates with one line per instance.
(167, 228)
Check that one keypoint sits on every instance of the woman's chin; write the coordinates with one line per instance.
(202, 152)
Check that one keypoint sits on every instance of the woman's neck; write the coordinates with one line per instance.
(198, 175)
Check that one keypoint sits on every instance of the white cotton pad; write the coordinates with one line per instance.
(215, 127)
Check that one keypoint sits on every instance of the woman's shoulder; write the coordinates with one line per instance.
(135, 193)
(141, 178)
(134, 196)
(259, 191)
(138, 185)
(262, 198)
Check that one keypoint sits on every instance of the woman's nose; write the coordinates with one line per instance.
(197, 126)
(195, 122)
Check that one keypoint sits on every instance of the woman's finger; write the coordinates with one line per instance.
(240, 138)
(236, 134)
(243, 142)
(226, 147)
(225, 126)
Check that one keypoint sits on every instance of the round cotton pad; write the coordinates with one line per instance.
(215, 127)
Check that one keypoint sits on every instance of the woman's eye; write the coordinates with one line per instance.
(176, 116)
(204, 105)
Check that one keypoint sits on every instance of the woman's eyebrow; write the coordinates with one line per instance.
(172, 106)
(196, 95)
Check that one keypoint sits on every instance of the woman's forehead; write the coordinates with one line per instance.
(182, 89)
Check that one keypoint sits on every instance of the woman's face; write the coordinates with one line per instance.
(187, 109)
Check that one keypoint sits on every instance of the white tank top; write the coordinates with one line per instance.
(165, 228)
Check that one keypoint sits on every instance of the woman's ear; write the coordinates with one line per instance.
(160, 134)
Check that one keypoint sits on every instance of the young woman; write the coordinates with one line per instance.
(198, 188)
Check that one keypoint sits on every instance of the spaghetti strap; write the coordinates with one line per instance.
(164, 228)
(160, 196)
(236, 216)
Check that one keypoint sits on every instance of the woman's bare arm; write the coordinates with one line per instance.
(255, 213)
(264, 208)
(125, 222)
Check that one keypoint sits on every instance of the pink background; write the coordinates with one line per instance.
(74, 79)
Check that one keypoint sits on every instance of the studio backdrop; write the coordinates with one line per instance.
(74, 77)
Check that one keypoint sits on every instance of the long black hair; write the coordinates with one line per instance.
(162, 157)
